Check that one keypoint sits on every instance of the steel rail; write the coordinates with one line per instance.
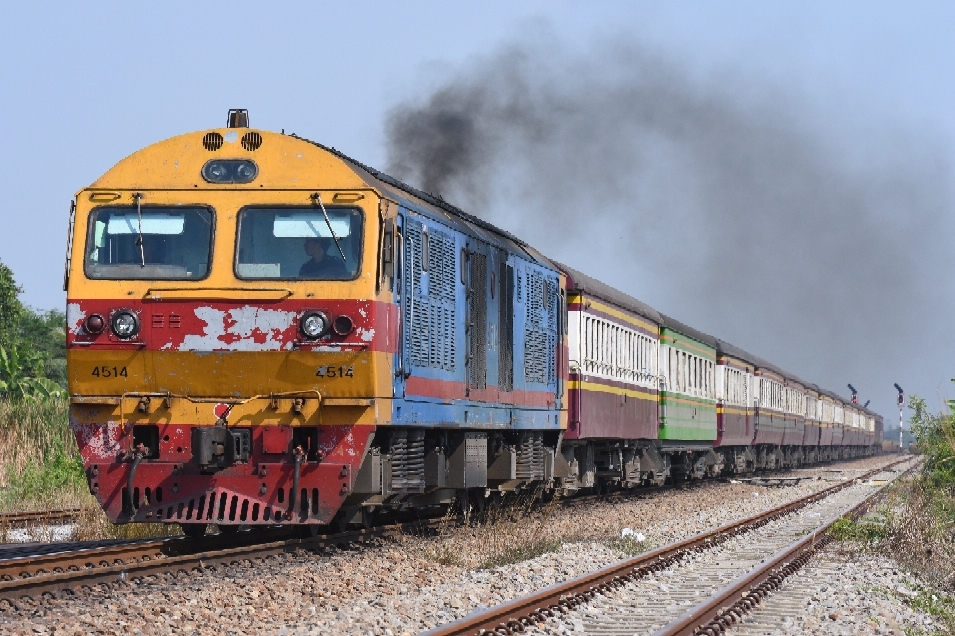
(32, 577)
(514, 615)
(727, 607)
(28, 516)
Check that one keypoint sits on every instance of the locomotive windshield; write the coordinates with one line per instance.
(161, 242)
(299, 243)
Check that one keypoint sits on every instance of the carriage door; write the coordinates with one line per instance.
(474, 270)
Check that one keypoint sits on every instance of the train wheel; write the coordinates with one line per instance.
(479, 504)
(369, 516)
(309, 530)
(193, 530)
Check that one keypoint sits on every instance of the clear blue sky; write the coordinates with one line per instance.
(85, 84)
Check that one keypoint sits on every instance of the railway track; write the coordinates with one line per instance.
(31, 572)
(32, 578)
(29, 517)
(641, 594)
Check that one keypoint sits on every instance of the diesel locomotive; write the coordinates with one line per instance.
(263, 331)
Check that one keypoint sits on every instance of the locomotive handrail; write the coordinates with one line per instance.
(215, 293)
(118, 400)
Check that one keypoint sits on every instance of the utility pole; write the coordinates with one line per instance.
(901, 406)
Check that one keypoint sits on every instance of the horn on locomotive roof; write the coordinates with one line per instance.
(238, 118)
(855, 394)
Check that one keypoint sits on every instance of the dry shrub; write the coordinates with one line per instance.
(921, 533)
(521, 528)
(92, 524)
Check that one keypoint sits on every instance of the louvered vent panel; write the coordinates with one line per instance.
(430, 340)
(540, 329)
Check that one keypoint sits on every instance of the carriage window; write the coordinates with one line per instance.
(299, 243)
(163, 242)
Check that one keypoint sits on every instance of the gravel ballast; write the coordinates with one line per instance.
(409, 584)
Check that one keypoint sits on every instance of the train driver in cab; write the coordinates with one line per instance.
(324, 262)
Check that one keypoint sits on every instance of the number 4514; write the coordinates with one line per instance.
(109, 372)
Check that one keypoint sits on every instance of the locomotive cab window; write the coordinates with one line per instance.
(160, 242)
(299, 243)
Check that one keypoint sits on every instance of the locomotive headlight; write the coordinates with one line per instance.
(245, 171)
(314, 325)
(230, 171)
(125, 324)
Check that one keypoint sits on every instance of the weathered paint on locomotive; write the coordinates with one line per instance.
(223, 350)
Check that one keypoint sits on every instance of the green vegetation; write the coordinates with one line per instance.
(868, 531)
(915, 525)
(32, 346)
(41, 465)
(631, 546)
(935, 438)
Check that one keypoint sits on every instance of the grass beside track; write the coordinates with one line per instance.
(915, 525)
(42, 470)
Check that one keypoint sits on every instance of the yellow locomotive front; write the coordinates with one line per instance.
(229, 345)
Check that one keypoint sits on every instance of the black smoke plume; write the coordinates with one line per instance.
(727, 204)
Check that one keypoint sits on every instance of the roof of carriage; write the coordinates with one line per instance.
(578, 281)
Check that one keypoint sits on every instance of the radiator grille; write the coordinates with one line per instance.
(430, 310)
(540, 329)
(212, 141)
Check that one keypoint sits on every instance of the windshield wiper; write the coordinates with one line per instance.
(318, 197)
(139, 239)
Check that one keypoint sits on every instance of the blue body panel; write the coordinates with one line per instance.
(435, 346)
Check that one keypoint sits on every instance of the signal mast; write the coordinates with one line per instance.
(901, 405)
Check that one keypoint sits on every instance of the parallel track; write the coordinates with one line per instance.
(724, 609)
(514, 616)
(29, 517)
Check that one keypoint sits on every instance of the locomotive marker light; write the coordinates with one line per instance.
(855, 394)
(343, 325)
(125, 324)
(95, 324)
(314, 325)
(901, 406)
